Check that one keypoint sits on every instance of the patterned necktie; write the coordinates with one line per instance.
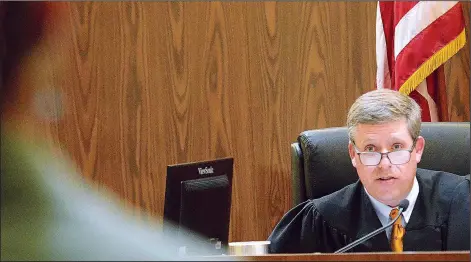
(397, 232)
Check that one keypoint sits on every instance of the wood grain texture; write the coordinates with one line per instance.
(457, 76)
(148, 84)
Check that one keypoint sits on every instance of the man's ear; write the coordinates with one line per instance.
(419, 148)
(352, 153)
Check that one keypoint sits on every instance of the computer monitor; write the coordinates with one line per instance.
(197, 204)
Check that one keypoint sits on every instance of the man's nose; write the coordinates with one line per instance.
(384, 162)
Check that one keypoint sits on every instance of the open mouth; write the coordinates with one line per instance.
(386, 178)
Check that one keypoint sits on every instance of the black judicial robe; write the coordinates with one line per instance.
(439, 221)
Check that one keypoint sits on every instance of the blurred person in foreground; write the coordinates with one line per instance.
(385, 147)
(47, 211)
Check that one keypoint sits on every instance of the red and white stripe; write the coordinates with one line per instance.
(413, 39)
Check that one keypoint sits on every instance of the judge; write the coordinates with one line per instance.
(385, 147)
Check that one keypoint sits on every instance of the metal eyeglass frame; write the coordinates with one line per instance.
(386, 154)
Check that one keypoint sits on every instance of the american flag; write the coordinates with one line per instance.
(413, 41)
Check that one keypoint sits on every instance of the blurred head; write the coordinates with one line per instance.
(21, 28)
(385, 121)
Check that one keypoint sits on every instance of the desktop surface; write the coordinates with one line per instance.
(372, 256)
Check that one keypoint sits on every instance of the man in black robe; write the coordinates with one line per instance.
(385, 147)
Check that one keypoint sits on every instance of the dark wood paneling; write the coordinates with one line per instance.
(148, 84)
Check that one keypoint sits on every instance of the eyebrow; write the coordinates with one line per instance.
(391, 139)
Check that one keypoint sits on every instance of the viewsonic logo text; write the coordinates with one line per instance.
(206, 170)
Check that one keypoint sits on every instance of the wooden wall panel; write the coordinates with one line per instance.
(148, 84)
(457, 76)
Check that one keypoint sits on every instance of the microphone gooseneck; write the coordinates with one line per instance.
(403, 205)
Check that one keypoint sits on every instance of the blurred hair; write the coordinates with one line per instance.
(21, 27)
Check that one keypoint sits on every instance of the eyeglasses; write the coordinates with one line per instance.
(398, 157)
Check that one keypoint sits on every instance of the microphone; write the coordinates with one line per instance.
(403, 205)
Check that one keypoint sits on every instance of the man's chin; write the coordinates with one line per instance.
(387, 198)
(392, 202)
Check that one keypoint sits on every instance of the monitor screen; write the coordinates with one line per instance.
(197, 204)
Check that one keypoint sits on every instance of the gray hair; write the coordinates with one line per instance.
(382, 106)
